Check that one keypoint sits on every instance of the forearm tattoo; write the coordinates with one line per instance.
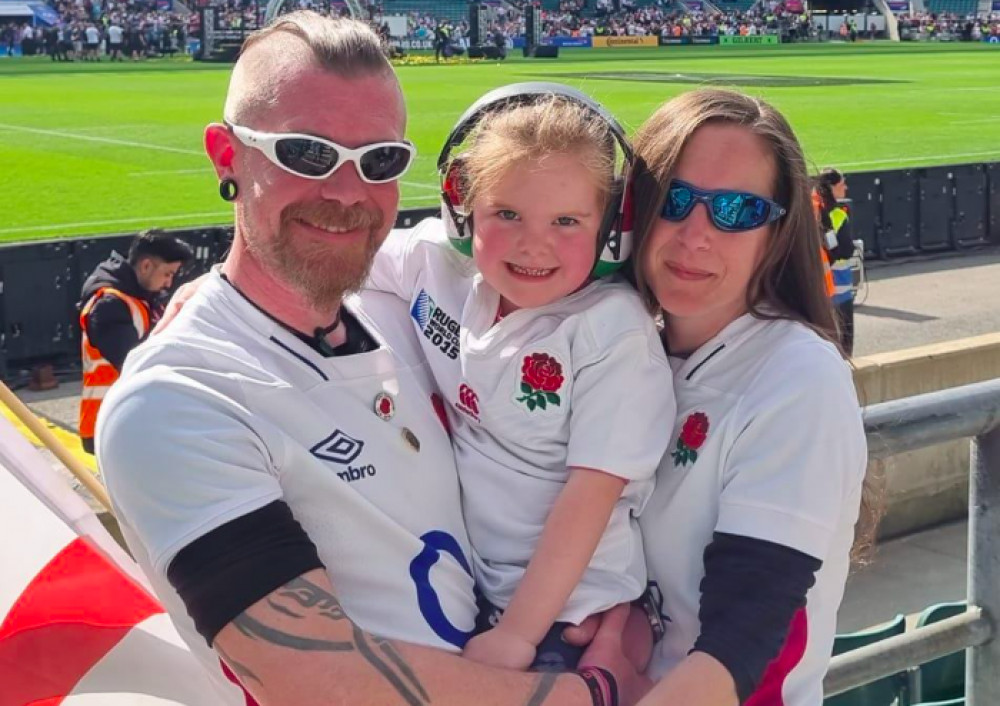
(305, 599)
(543, 686)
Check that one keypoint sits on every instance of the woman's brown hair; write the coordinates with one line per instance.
(789, 282)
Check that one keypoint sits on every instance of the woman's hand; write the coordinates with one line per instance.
(500, 648)
(177, 302)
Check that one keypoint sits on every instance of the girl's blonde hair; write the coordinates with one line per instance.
(529, 133)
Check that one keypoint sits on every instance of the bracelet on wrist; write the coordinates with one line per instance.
(602, 684)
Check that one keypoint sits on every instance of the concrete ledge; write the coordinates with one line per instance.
(929, 486)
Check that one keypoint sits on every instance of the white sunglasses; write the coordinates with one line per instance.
(312, 157)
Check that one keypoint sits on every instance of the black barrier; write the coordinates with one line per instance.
(895, 213)
(993, 200)
(866, 208)
(35, 322)
(971, 223)
(936, 208)
(897, 234)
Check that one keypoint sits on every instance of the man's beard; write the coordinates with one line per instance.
(322, 272)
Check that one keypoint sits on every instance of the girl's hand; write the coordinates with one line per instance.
(500, 648)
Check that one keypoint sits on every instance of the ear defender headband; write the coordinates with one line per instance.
(614, 239)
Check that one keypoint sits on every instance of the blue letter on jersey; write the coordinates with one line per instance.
(436, 542)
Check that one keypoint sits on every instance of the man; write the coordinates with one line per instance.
(274, 457)
(115, 36)
(118, 305)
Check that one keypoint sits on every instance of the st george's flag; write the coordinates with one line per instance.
(79, 624)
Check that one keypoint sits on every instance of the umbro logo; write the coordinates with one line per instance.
(338, 448)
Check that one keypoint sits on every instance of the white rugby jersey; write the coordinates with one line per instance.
(227, 411)
(768, 444)
(582, 382)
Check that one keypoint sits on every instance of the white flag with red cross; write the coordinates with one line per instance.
(78, 623)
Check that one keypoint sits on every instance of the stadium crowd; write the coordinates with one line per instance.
(121, 29)
(930, 26)
(90, 29)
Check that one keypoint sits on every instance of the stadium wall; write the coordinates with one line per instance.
(927, 486)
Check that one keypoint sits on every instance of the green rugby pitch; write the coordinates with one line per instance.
(102, 148)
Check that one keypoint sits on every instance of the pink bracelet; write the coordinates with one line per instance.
(602, 684)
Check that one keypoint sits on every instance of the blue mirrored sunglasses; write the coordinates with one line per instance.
(730, 211)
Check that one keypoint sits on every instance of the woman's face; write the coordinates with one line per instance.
(840, 190)
(698, 273)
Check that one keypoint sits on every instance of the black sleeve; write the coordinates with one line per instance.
(845, 242)
(222, 573)
(749, 595)
(111, 330)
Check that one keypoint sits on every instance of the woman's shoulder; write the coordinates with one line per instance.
(793, 360)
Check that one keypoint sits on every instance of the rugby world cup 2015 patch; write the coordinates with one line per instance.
(438, 327)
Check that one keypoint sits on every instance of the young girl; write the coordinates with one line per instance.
(558, 394)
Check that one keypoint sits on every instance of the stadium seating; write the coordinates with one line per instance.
(952, 702)
(890, 691)
(943, 678)
(728, 6)
(959, 7)
(452, 10)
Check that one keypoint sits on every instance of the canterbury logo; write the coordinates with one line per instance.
(468, 401)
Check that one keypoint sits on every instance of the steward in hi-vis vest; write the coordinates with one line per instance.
(838, 247)
(118, 307)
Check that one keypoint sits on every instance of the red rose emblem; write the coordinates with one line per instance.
(542, 372)
(692, 436)
(541, 378)
(695, 430)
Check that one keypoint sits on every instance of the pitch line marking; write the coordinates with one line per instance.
(105, 140)
(122, 221)
(417, 185)
(58, 226)
(976, 121)
(925, 158)
(146, 145)
(202, 170)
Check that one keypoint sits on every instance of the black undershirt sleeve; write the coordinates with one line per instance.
(750, 593)
(222, 573)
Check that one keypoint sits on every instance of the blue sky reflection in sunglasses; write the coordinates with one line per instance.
(728, 210)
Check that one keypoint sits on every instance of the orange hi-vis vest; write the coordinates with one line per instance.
(98, 373)
(827, 270)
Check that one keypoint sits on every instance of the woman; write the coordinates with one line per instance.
(838, 244)
(756, 501)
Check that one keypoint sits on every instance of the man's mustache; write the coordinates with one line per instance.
(331, 214)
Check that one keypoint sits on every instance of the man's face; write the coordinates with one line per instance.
(319, 236)
(156, 275)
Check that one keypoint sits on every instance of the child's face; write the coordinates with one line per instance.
(535, 233)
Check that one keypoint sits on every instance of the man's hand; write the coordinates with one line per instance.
(500, 648)
(177, 302)
(604, 635)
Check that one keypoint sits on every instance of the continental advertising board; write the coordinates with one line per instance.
(618, 42)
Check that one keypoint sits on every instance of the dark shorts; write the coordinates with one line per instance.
(93, 46)
(115, 46)
(553, 655)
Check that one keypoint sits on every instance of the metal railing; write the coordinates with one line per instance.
(914, 423)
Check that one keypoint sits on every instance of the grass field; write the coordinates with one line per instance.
(101, 148)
